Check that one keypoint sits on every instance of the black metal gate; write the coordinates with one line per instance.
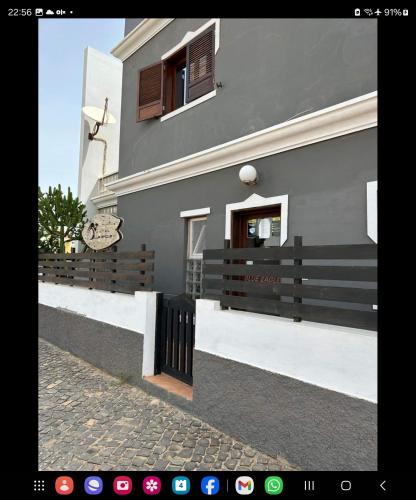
(175, 337)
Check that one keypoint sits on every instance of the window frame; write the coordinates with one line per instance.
(170, 67)
(168, 104)
(190, 220)
(372, 196)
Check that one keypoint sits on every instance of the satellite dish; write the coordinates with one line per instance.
(97, 114)
(100, 116)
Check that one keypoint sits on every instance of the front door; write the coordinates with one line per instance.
(256, 228)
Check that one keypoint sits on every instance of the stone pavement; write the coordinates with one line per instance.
(90, 421)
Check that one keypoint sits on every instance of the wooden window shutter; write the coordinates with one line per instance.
(150, 92)
(200, 55)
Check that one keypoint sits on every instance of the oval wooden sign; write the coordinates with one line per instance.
(102, 231)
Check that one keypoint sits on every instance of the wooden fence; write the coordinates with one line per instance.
(124, 272)
(256, 280)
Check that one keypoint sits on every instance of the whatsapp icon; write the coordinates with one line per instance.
(273, 485)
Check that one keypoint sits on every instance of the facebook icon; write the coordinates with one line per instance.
(210, 485)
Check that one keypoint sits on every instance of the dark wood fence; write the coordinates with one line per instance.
(124, 272)
(272, 281)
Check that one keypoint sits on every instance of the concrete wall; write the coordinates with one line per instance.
(326, 183)
(118, 351)
(338, 358)
(312, 427)
(271, 70)
(102, 78)
(136, 313)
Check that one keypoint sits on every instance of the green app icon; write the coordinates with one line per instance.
(273, 485)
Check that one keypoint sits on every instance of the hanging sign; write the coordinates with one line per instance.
(102, 231)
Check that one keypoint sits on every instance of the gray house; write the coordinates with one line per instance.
(201, 98)
(248, 150)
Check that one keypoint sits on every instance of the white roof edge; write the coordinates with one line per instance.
(138, 36)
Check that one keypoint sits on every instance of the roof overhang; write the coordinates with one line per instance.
(140, 35)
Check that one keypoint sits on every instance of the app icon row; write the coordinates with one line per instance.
(181, 485)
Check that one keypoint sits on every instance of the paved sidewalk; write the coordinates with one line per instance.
(89, 420)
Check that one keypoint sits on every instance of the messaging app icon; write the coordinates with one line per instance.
(273, 485)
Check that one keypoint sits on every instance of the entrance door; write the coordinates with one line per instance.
(256, 228)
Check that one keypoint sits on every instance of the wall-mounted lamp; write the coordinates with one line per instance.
(248, 175)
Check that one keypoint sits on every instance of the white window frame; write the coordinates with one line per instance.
(190, 220)
(190, 35)
(372, 210)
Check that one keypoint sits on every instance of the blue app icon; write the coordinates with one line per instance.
(93, 485)
(210, 485)
(181, 485)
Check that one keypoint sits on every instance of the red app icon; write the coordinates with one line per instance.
(64, 485)
(151, 485)
(122, 485)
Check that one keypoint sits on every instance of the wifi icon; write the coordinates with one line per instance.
(369, 12)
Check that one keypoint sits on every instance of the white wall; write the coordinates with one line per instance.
(334, 357)
(102, 78)
(133, 312)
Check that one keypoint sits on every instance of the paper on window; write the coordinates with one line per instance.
(265, 228)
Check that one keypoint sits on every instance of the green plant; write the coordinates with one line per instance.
(61, 218)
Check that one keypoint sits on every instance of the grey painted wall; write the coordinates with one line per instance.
(271, 69)
(326, 184)
(115, 350)
(311, 427)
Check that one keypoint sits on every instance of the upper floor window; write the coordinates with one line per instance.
(180, 79)
(175, 81)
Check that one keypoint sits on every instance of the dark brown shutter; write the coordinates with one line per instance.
(200, 55)
(150, 92)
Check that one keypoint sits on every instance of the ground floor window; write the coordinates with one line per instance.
(196, 245)
(196, 237)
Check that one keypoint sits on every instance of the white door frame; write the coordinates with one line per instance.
(257, 201)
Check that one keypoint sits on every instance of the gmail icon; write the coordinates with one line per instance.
(244, 485)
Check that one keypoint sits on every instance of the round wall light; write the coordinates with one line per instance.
(248, 175)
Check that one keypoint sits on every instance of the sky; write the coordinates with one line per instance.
(61, 62)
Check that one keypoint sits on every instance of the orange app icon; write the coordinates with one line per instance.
(64, 485)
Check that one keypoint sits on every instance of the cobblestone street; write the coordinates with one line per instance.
(89, 420)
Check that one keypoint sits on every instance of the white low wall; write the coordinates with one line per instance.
(334, 357)
(133, 312)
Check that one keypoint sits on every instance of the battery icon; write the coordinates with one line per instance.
(405, 12)
(357, 12)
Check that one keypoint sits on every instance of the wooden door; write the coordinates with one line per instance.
(245, 221)
(256, 228)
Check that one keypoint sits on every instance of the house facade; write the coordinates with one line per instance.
(240, 136)
(296, 99)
